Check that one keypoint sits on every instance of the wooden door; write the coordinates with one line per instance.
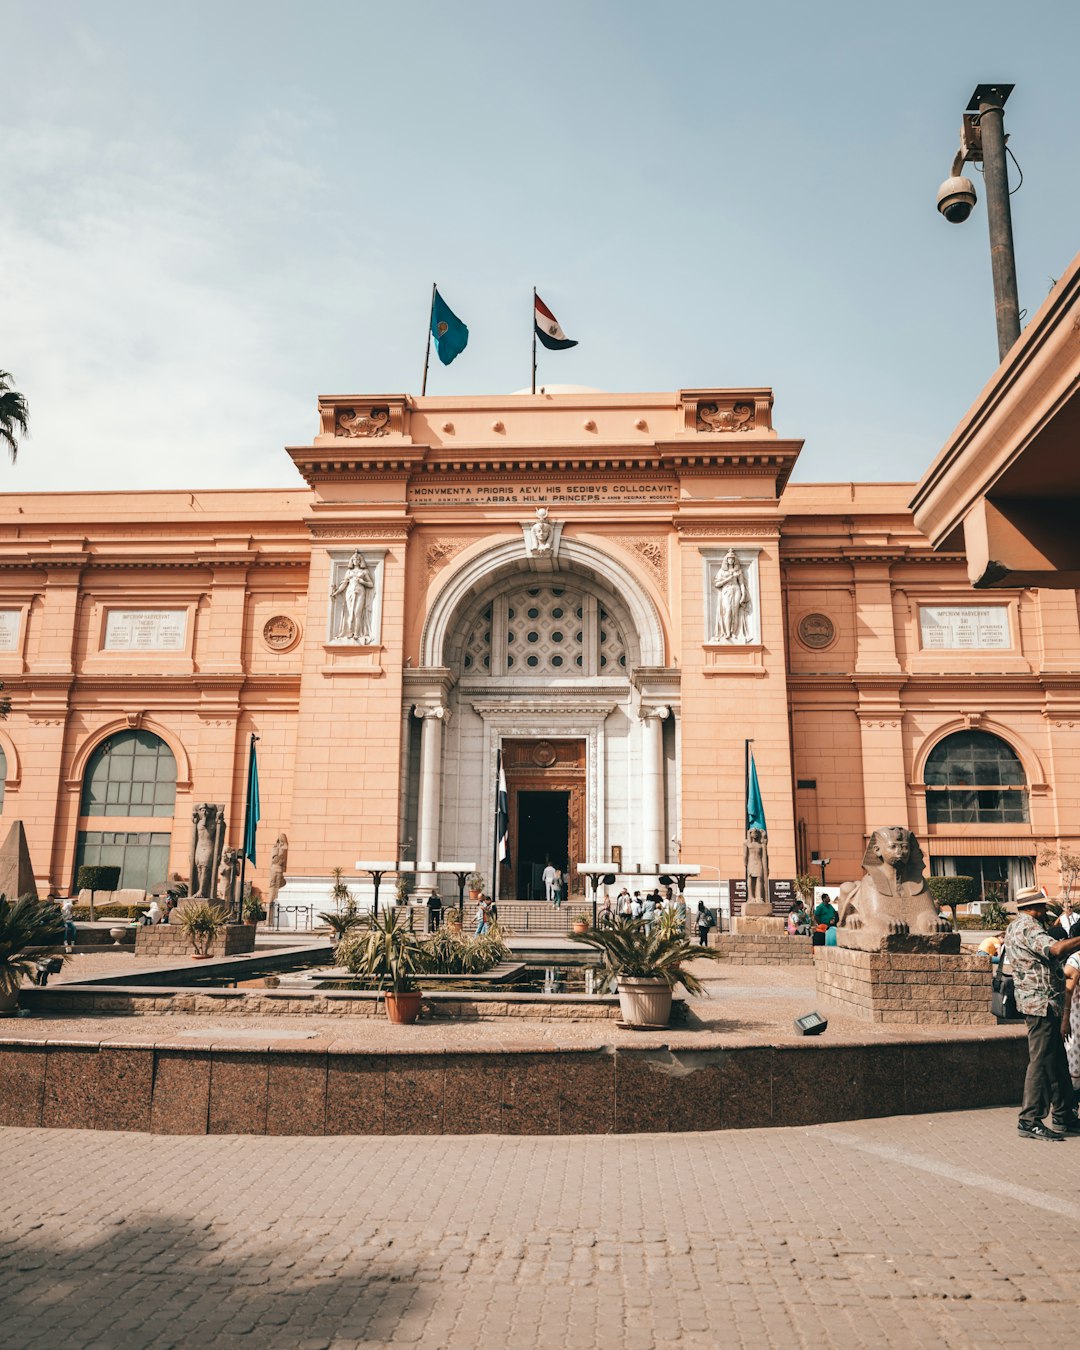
(546, 765)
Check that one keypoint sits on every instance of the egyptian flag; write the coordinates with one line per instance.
(547, 327)
(502, 817)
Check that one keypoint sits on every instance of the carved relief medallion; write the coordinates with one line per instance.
(281, 633)
(816, 631)
(544, 754)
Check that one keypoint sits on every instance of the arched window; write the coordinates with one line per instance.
(130, 776)
(974, 777)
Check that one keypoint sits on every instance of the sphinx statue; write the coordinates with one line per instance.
(890, 908)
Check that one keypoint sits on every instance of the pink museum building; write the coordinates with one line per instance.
(615, 590)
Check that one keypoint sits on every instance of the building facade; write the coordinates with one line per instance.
(616, 592)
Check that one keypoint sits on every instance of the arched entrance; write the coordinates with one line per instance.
(541, 666)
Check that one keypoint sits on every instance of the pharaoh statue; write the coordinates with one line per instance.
(208, 838)
(279, 860)
(230, 857)
(732, 601)
(756, 863)
(356, 588)
(891, 907)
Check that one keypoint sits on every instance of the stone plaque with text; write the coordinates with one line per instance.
(146, 630)
(964, 627)
(9, 629)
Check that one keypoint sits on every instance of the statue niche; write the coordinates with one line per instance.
(733, 603)
(890, 908)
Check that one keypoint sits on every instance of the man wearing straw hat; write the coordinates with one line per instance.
(1038, 973)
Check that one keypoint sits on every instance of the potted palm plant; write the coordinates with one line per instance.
(648, 965)
(393, 954)
(345, 916)
(29, 929)
(202, 922)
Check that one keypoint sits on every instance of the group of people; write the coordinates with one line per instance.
(647, 908)
(554, 879)
(158, 912)
(800, 921)
(1041, 950)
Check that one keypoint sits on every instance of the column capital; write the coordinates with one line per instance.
(436, 710)
(660, 711)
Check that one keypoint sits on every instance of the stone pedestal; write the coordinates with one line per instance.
(763, 949)
(760, 924)
(925, 987)
(756, 909)
(166, 939)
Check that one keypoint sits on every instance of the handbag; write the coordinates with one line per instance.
(1003, 994)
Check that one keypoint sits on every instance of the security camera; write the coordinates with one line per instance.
(955, 199)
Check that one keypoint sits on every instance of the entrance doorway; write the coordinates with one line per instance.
(543, 837)
(546, 782)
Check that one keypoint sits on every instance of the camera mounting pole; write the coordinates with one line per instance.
(989, 101)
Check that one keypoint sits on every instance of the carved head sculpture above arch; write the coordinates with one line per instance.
(579, 562)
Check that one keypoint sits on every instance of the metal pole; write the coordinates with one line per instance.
(999, 217)
(247, 811)
(376, 877)
(534, 340)
(427, 353)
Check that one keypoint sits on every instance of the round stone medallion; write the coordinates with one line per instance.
(280, 633)
(816, 631)
(544, 755)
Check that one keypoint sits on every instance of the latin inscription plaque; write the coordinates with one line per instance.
(964, 627)
(9, 629)
(146, 630)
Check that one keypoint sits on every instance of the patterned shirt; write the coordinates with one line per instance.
(1039, 977)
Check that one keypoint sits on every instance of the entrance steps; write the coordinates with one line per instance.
(537, 918)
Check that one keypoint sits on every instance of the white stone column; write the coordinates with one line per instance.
(430, 796)
(652, 848)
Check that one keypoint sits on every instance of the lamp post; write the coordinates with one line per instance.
(822, 863)
(377, 870)
(461, 871)
(982, 140)
(597, 873)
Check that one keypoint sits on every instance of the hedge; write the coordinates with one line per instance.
(952, 891)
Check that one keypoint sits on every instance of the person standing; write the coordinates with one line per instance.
(704, 921)
(550, 876)
(825, 914)
(67, 913)
(558, 886)
(1039, 979)
(434, 910)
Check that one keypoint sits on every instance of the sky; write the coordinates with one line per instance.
(211, 213)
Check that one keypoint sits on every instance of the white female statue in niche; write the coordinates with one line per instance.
(732, 601)
(356, 588)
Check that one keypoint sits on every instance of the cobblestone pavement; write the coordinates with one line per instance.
(890, 1232)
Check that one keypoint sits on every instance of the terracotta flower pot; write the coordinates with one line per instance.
(645, 1002)
(580, 926)
(9, 993)
(403, 1008)
(200, 956)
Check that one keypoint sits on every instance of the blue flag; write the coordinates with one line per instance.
(450, 334)
(755, 810)
(502, 818)
(251, 822)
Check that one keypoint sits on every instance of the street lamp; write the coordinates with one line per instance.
(597, 873)
(982, 140)
(822, 863)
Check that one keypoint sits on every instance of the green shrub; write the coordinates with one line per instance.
(81, 913)
(439, 953)
(952, 891)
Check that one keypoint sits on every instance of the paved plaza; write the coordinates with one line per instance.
(908, 1231)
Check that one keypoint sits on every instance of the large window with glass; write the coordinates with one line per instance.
(130, 776)
(973, 777)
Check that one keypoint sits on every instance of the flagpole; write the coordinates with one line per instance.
(746, 817)
(534, 340)
(247, 813)
(495, 850)
(427, 353)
